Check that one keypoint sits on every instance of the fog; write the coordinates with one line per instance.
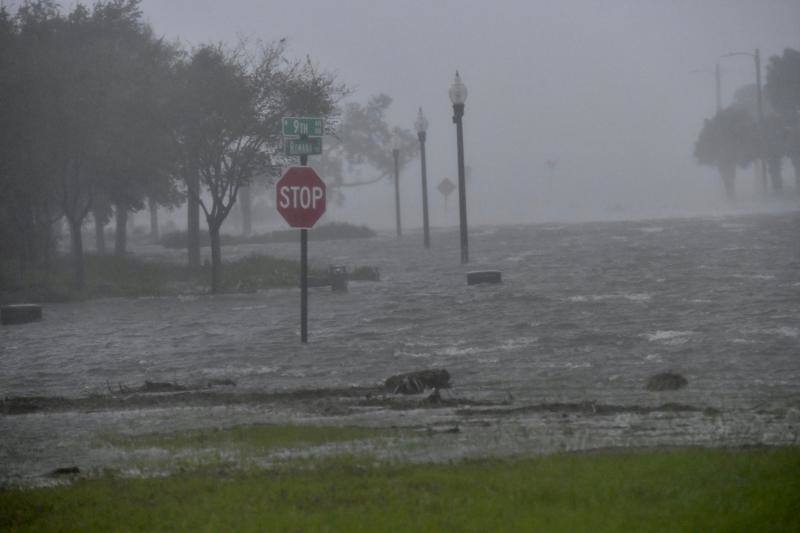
(604, 88)
(647, 336)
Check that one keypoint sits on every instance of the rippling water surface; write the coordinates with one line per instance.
(586, 312)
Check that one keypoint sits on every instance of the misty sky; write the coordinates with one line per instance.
(604, 87)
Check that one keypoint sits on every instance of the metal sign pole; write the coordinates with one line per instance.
(303, 275)
(300, 193)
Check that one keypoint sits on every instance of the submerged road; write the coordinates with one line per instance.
(586, 313)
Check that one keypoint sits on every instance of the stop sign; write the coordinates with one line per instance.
(300, 197)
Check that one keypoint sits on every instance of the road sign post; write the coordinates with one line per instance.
(300, 198)
(446, 187)
(301, 193)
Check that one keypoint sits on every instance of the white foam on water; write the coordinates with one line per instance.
(421, 343)
(239, 370)
(455, 351)
(565, 364)
(651, 229)
(520, 257)
(640, 297)
(784, 331)
(633, 297)
(521, 342)
(753, 276)
(505, 346)
(669, 337)
(251, 307)
(413, 355)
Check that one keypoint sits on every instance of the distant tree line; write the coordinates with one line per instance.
(734, 138)
(100, 117)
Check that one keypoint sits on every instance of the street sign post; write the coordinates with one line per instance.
(300, 199)
(446, 187)
(303, 127)
(301, 193)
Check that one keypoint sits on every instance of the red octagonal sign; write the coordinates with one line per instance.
(300, 197)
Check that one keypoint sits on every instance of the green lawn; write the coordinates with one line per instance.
(674, 490)
(254, 438)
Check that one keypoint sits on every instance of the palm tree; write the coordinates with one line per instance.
(728, 140)
(783, 92)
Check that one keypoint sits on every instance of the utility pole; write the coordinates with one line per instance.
(396, 156)
(761, 140)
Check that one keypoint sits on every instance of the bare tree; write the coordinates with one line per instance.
(231, 128)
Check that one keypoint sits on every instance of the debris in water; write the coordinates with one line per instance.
(484, 276)
(365, 273)
(66, 471)
(220, 382)
(434, 397)
(417, 382)
(666, 381)
(20, 313)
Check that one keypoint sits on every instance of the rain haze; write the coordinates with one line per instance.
(605, 89)
(197, 293)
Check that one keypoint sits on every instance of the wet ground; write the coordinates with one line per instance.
(555, 358)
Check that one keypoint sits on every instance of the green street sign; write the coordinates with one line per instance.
(303, 127)
(311, 146)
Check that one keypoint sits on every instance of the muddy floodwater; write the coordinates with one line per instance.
(554, 358)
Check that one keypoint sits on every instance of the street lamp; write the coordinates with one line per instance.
(458, 95)
(421, 125)
(757, 59)
(396, 156)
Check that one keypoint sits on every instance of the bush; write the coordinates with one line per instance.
(325, 232)
(259, 272)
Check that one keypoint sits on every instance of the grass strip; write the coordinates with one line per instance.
(666, 490)
(253, 437)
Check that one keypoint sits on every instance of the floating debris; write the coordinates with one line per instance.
(220, 382)
(365, 273)
(484, 276)
(666, 381)
(66, 471)
(20, 313)
(419, 381)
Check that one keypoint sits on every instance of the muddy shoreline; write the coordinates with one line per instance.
(343, 400)
(45, 434)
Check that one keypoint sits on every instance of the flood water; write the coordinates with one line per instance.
(585, 314)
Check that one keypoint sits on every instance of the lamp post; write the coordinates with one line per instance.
(396, 156)
(458, 95)
(421, 125)
(757, 60)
